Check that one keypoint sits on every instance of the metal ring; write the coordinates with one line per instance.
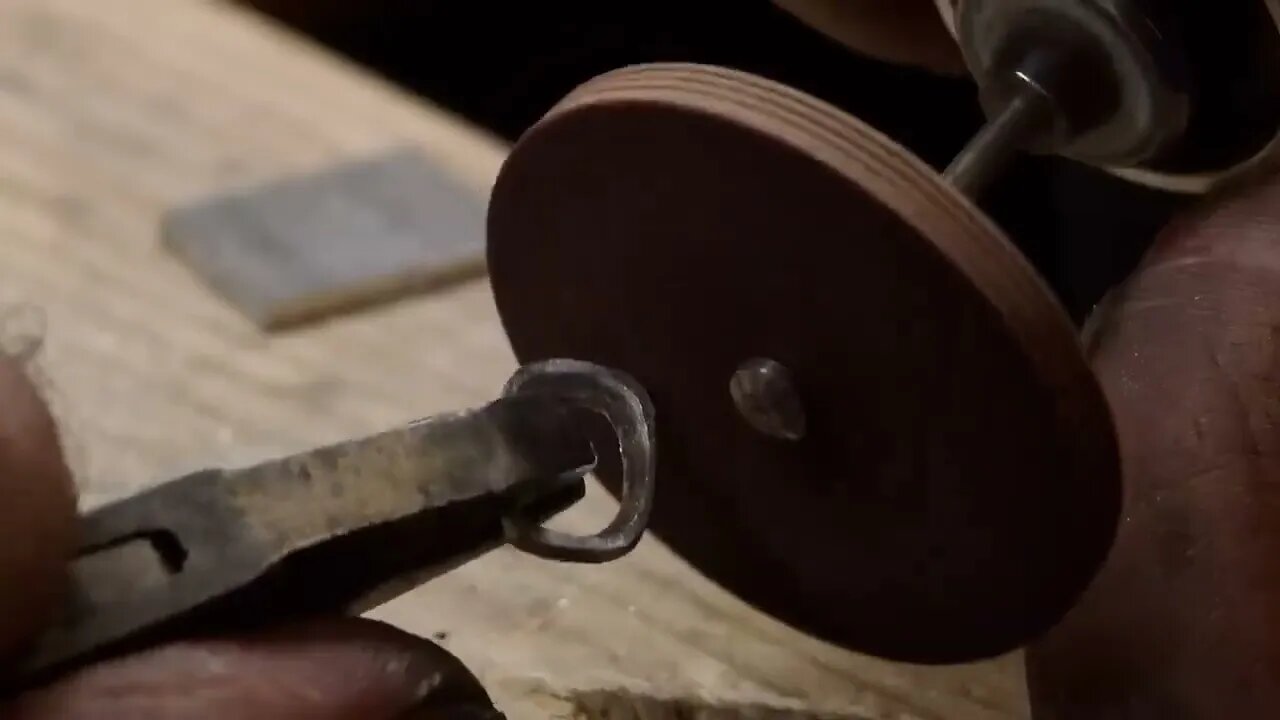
(624, 403)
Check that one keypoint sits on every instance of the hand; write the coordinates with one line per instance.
(1184, 620)
(335, 669)
(910, 32)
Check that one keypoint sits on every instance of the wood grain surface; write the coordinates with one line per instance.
(113, 112)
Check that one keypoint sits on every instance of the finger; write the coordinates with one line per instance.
(326, 670)
(1184, 620)
(910, 32)
(37, 509)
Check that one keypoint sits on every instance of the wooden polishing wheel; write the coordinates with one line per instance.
(914, 460)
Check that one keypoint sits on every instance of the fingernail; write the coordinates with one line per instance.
(22, 331)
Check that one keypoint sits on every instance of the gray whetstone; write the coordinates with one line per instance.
(356, 234)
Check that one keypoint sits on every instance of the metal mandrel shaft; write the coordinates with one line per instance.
(1021, 121)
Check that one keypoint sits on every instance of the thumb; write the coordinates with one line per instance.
(1184, 619)
(37, 509)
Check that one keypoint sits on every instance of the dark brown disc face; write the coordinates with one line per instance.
(955, 482)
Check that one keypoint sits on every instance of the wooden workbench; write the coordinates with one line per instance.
(112, 111)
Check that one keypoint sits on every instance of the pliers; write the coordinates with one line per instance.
(346, 527)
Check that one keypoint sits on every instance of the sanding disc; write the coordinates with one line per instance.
(947, 482)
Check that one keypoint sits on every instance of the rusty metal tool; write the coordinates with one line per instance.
(348, 526)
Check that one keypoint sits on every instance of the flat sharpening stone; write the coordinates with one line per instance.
(357, 234)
